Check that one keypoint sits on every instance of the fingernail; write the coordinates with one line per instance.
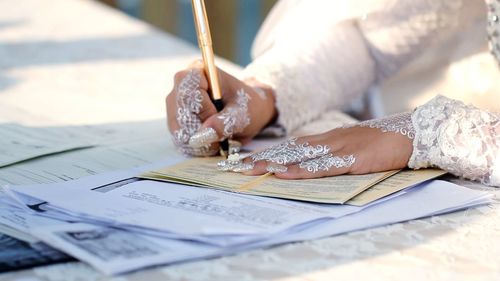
(276, 168)
(204, 137)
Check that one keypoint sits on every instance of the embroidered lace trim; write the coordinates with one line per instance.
(459, 138)
(325, 162)
(236, 118)
(189, 102)
(290, 152)
(397, 123)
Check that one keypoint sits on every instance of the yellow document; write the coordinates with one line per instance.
(203, 172)
(395, 183)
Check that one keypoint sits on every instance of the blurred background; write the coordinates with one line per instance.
(236, 22)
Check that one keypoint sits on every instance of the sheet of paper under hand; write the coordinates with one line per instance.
(395, 183)
(357, 190)
(203, 172)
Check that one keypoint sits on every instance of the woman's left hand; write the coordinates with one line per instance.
(354, 150)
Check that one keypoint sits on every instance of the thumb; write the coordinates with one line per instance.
(233, 119)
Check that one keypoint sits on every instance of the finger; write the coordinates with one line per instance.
(233, 119)
(174, 103)
(187, 106)
(256, 168)
(294, 150)
(276, 158)
(184, 94)
(197, 67)
(327, 165)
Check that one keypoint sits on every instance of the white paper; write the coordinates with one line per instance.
(190, 210)
(110, 250)
(19, 235)
(116, 251)
(21, 219)
(89, 162)
(19, 143)
(427, 199)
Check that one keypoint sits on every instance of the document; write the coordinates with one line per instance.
(88, 162)
(117, 146)
(23, 236)
(203, 172)
(101, 183)
(17, 254)
(114, 251)
(21, 219)
(109, 249)
(19, 143)
(393, 184)
(191, 211)
(16, 219)
(427, 199)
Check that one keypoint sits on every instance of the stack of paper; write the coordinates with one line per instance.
(120, 224)
(43, 155)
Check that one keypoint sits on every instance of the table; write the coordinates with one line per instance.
(76, 62)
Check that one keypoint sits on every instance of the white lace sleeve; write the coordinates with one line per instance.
(458, 138)
(313, 63)
(321, 55)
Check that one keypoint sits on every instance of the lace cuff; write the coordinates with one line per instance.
(458, 138)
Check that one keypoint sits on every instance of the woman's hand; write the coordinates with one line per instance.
(195, 124)
(372, 146)
(356, 150)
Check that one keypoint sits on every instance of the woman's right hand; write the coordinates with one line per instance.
(197, 127)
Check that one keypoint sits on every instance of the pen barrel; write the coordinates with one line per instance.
(212, 74)
(205, 43)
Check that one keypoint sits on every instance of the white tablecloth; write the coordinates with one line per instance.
(74, 62)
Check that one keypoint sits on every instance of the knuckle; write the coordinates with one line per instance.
(206, 111)
(179, 75)
(197, 63)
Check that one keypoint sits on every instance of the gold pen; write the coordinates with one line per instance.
(205, 43)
